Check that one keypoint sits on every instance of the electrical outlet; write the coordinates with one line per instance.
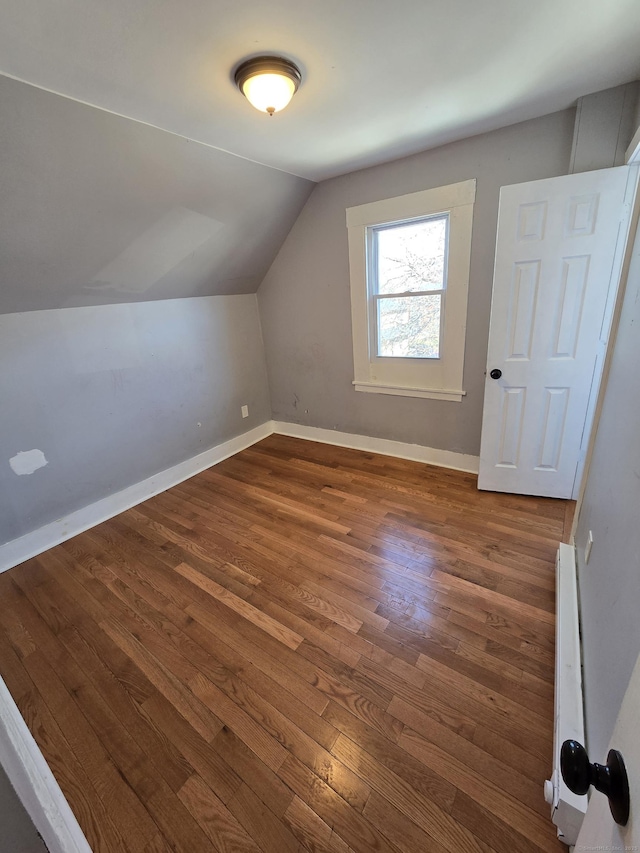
(588, 547)
(245, 411)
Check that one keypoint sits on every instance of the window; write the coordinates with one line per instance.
(408, 281)
(409, 265)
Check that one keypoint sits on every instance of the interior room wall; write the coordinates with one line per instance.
(636, 114)
(18, 834)
(305, 297)
(113, 394)
(609, 583)
(605, 124)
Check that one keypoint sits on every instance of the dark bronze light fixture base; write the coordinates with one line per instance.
(267, 65)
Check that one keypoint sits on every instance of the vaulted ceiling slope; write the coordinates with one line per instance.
(97, 209)
(381, 79)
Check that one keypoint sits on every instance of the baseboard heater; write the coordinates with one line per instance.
(567, 809)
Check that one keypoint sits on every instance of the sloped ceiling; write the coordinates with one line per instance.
(381, 79)
(96, 209)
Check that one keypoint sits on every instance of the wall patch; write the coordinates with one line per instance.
(27, 461)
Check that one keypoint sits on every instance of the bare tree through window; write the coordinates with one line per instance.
(410, 262)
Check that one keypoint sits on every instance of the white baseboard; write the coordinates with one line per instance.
(31, 544)
(413, 452)
(34, 782)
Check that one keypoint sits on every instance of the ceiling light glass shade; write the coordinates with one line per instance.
(268, 82)
(269, 92)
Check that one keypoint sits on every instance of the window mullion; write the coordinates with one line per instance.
(404, 294)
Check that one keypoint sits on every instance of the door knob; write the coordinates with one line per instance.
(611, 779)
(496, 373)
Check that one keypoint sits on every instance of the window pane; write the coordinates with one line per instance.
(412, 257)
(409, 326)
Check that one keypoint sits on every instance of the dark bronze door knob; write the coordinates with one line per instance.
(610, 779)
(496, 373)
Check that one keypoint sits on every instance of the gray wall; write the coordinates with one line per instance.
(610, 582)
(305, 302)
(113, 394)
(99, 209)
(605, 124)
(17, 832)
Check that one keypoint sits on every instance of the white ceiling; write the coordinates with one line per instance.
(380, 79)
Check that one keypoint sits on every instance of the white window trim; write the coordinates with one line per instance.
(441, 378)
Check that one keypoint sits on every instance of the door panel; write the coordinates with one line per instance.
(570, 303)
(555, 264)
(557, 401)
(523, 310)
(511, 427)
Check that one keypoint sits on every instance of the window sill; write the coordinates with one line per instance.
(408, 391)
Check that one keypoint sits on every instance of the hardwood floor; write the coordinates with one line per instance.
(305, 648)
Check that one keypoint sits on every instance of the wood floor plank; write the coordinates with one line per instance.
(215, 819)
(398, 828)
(251, 733)
(284, 635)
(225, 637)
(133, 821)
(422, 811)
(273, 834)
(471, 758)
(195, 712)
(458, 709)
(349, 824)
(312, 832)
(424, 782)
(245, 764)
(198, 753)
(306, 649)
(481, 789)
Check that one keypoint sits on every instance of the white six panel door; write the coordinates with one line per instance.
(555, 254)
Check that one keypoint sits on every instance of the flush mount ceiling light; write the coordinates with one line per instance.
(268, 82)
